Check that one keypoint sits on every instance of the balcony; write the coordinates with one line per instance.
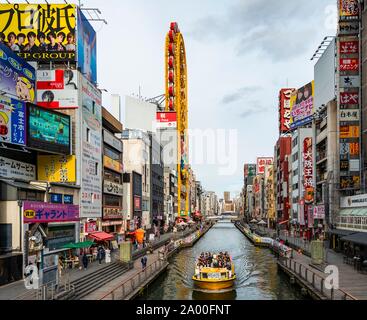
(355, 223)
(321, 157)
(321, 178)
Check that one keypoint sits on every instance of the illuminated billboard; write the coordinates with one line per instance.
(48, 130)
(39, 32)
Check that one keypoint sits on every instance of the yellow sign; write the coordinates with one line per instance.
(35, 31)
(349, 132)
(112, 164)
(29, 214)
(57, 168)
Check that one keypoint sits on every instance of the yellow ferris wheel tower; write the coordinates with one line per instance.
(176, 101)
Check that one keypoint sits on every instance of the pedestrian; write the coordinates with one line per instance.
(142, 260)
(85, 261)
(145, 261)
(100, 254)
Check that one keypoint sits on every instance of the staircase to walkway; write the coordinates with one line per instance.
(87, 284)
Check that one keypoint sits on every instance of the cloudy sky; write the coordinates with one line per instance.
(239, 54)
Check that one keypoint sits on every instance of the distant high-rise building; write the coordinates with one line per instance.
(227, 196)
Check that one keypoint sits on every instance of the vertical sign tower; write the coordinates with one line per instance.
(176, 101)
(349, 95)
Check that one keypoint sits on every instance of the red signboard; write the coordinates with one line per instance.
(308, 170)
(167, 119)
(285, 110)
(349, 98)
(137, 203)
(349, 47)
(349, 64)
(262, 163)
(90, 227)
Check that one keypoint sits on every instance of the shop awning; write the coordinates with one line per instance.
(353, 212)
(283, 222)
(341, 232)
(79, 245)
(23, 185)
(101, 236)
(358, 238)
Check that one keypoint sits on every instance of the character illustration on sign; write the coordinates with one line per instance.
(24, 89)
(68, 80)
(31, 277)
(4, 130)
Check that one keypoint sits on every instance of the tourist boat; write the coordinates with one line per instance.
(214, 278)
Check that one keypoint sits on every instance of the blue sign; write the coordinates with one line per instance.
(12, 121)
(56, 198)
(87, 48)
(17, 77)
(68, 199)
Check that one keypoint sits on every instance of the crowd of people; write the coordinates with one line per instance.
(27, 42)
(221, 260)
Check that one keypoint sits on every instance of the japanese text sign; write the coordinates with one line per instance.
(37, 212)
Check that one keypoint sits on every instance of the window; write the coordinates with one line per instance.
(88, 135)
(31, 195)
(114, 155)
(113, 201)
(112, 176)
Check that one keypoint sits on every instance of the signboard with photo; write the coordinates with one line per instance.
(57, 89)
(15, 169)
(48, 130)
(17, 77)
(12, 121)
(39, 32)
(302, 105)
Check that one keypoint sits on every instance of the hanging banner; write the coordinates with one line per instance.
(348, 8)
(12, 121)
(262, 162)
(349, 47)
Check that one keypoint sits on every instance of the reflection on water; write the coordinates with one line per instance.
(256, 270)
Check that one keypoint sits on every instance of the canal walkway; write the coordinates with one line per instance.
(17, 291)
(352, 284)
(132, 282)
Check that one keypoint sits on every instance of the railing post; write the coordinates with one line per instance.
(332, 293)
(313, 279)
(322, 286)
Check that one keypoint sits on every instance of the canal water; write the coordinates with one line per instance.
(256, 268)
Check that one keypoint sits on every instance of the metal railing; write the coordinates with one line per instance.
(315, 280)
(297, 242)
(128, 287)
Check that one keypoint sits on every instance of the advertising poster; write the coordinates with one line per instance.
(15, 169)
(12, 121)
(302, 105)
(285, 110)
(349, 132)
(57, 89)
(48, 130)
(91, 189)
(350, 81)
(43, 212)
(87, 48)
(112, 164)
(39, 32)
(17, 77)
(348, 8)
(349, 115)
(56, 168)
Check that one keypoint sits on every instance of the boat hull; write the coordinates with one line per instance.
(214, 284)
